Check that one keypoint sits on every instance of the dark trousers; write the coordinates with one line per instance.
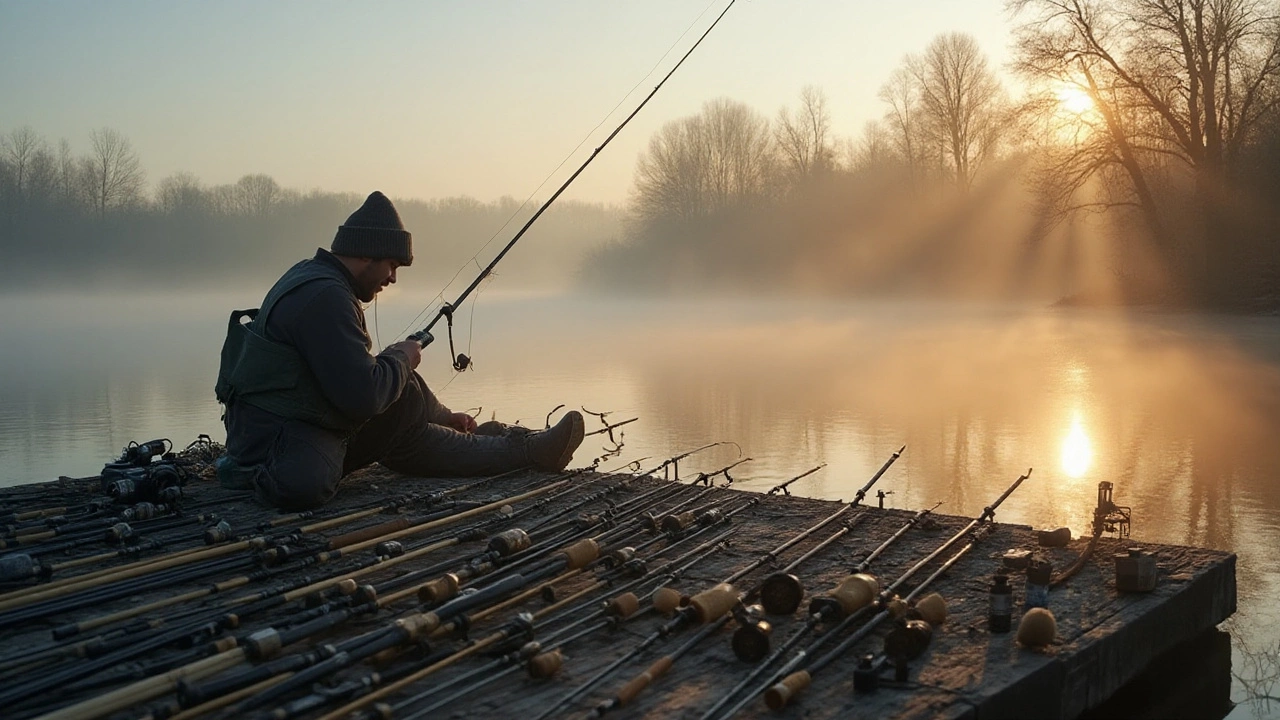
(404, 439)
(304, 463)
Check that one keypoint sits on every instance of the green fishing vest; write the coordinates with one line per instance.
(271, 375)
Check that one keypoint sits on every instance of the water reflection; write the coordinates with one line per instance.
(1077, 452)
(1179, 412)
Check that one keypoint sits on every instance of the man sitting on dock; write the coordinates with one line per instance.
(307, 403)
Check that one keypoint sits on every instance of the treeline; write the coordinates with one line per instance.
(70, 220)
(1141, 167)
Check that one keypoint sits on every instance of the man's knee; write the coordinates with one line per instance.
(304, 468)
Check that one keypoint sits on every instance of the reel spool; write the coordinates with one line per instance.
(781, 593)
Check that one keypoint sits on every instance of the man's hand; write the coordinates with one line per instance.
(462, 422)
(412, 350)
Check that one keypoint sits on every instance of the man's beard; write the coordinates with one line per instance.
(366, 287)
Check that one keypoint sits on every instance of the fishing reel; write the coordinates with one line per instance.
(158, 483)
(137, 475)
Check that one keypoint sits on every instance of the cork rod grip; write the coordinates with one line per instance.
(373, 531)
(642, 681)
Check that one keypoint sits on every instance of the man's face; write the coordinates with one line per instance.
(375, 276)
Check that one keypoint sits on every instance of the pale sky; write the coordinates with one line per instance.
(431, 99)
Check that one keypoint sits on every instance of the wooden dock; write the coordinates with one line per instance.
(1105, 638)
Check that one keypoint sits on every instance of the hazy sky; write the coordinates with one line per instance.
(430, 99)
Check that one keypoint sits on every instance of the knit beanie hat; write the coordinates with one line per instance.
(374, 231)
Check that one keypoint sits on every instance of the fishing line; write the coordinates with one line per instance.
(603, 120)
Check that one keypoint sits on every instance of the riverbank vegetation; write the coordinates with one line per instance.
(1130, 154)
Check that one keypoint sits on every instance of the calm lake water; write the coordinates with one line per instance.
(1181, 412)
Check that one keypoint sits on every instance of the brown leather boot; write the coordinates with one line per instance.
(552, 449)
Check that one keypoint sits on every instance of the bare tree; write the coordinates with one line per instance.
(1173, 83)
(875, 151)
(903, 119)
(720, 158)
(66, 172)
(960, 101)
(803, 139)
(21, 147)
(257, 194)
(112, 173)
(181, 193)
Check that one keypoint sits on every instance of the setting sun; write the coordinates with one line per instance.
(1077, 452)
(1074, 100)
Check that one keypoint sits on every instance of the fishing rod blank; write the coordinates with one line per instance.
(780, 694)
(424, 336)
(832, 606)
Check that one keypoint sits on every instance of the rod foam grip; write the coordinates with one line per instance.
(348, 586)
(779, 695)
(369, 533)
(438, 590)
(545, 664)
(856, 592)
(623, 605)
(667, 600)
(580, 553)
(642, 681)
(714, 603)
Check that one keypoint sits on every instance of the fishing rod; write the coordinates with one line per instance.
(780, 694)
(555, 641)
(223, 658)
(362, 702)
(793, 683)
(745, 615)
(421, 625)
(376, 563)
(424, 336)
(749, 641)
(783, 487)
(711, 609)
(260, 640)
(299, 592)
(191, 695)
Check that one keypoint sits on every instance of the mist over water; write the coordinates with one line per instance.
(1179, 411)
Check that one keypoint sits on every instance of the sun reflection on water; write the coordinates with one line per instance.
(1077, 451)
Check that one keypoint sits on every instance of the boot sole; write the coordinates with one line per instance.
(576, 434)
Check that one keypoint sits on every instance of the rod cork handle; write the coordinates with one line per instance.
(676, 523)
(779, 695)
(667, 600)
(580, 553)
(438, 590)
(714, 603)
(545, 664)
(642, 681)
(418, 625)
(623, 606)
(369, 533)
(856, 592)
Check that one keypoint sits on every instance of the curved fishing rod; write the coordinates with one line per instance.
(424, 336)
